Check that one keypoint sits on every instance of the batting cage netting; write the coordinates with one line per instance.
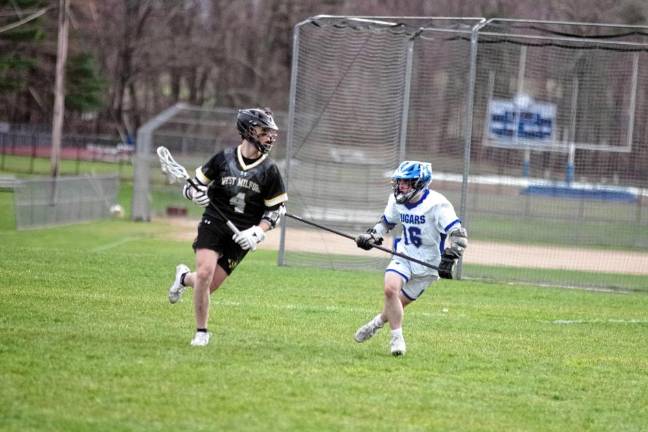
(532, 130)
(47, 202)
(535, 131)
(367, 94)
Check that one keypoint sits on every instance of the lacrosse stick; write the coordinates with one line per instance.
(384, 249)
(174, 171)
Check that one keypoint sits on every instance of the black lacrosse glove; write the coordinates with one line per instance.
(369, 239)
(447, 265)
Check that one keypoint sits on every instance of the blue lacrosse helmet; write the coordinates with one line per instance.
(419, 174)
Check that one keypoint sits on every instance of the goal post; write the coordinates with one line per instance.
(141, 210)
(367, 93)
(535, 130)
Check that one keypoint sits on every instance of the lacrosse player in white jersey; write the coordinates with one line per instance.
(431, 233)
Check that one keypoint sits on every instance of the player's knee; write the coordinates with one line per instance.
(391, 290)
(204, 275)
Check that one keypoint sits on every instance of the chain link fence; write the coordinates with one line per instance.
(49, 202)
(27, 150)
(535, 131)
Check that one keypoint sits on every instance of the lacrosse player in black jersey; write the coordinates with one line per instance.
(246, 186)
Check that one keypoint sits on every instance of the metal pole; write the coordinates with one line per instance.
(470, 102)
(3, 139)
(526, 166)
(406, 100)
(141, 210)
(574, 110)
(633, 100)
(290, 136)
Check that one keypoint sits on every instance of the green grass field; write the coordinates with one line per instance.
(88, 341)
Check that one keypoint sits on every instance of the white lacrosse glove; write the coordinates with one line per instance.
(249, 238)
(197, 194)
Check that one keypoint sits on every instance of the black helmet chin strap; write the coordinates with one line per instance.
(263, 149)
(250, 136)
(402, 198)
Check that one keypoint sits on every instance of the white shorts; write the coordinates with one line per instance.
(413, 284)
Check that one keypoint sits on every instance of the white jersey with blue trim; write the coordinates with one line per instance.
(425, 227)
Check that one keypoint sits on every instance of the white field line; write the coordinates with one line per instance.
(329, 308)
(442, 312)
(601, 321)
(114, 244)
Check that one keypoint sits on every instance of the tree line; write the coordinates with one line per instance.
(130, 59)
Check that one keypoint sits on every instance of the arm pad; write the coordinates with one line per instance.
(273, 215)
(457, 242)
(380, 229)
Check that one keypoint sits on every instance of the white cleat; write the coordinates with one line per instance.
(176, 290)
(200, 339)
(398, 346)
(367, 331)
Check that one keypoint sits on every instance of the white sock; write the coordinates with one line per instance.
(397, 332)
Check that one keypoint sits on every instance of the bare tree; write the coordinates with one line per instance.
(238, 52)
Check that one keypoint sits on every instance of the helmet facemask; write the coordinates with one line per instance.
(257, 136)
(417, 174)
(416, 185)
(258, 127)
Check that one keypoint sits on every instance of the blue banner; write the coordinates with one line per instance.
(536, 121)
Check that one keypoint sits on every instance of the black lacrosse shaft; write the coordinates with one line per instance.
(188, 179)
(229, 223)
(350, 237)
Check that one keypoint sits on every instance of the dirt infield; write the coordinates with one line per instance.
(479, 252)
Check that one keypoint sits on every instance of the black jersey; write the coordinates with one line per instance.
(242, 191)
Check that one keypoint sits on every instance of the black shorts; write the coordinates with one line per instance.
(213, 234)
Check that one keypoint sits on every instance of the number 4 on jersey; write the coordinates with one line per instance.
(238, 202)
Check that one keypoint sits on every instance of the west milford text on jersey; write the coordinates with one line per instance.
(240, 182)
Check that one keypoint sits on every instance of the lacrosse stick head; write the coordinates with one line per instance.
(173, 170)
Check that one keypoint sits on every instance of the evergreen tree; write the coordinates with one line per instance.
(84, 84)
(18, 54)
